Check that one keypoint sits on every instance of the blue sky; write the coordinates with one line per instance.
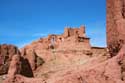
(22, 21)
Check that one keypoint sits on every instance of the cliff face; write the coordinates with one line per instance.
(6, 54)
(115, 25)
(116, 29)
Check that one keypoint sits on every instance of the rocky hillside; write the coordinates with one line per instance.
(47, 56)
(70, 58)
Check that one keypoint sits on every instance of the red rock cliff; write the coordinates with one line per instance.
(115, 25)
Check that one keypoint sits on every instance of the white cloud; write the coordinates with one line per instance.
(22, 44)
(39, 35)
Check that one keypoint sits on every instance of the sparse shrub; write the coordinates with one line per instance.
(40, 61)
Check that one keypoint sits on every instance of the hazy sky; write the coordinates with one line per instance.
(22, 21)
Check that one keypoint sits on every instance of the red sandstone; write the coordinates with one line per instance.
(69, 57)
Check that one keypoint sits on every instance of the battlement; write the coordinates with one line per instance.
(74, 32)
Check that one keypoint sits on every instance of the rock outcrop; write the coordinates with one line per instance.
(31, 56)
(73, 45)
(94, 71)
(62, 48)
(115, 25)
(108, 71)
(14, 68)
(6, 53)
(116, 29)
(72, 41)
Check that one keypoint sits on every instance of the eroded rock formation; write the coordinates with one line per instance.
(63, 47)
(94, 71)
(6, 53)
(116, 29)
(72, 41)
(115, 25)
(31, 56)
(73, 44)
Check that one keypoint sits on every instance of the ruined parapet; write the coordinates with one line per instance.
(75, 39)
(115, 25)
(68, 32)
(71, 39)
(82, 31)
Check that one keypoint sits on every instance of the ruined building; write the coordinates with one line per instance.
(71, 37)
(72, 41)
